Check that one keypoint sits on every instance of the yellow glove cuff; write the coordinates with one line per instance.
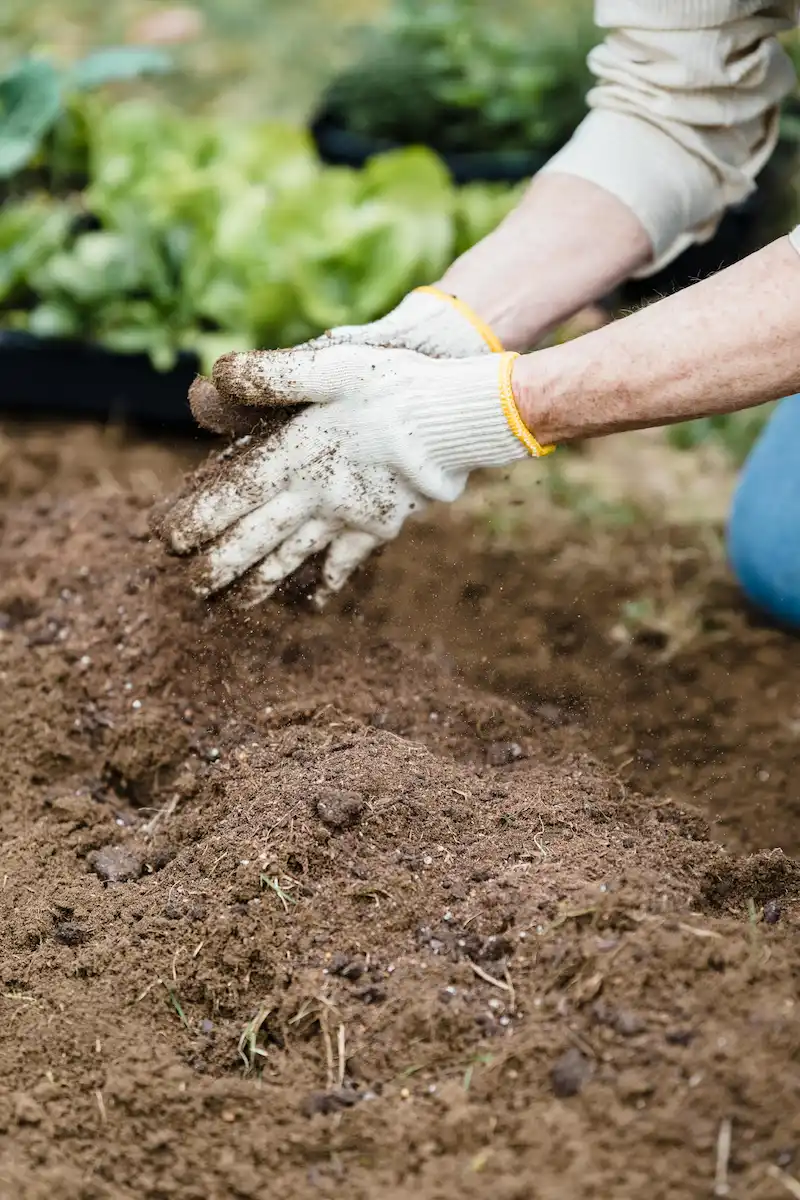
(511, 412)
(489, 336)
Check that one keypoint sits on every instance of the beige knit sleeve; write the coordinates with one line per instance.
(685, 111)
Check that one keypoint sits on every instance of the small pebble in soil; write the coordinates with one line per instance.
(373, 994)
(329, 1102)
(115, 864)
(569, 1073)
(70, 933)
(347, 968)
(772, 912)
(627, 1023)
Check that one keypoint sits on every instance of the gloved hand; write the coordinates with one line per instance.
(385, 431)
(427, 320)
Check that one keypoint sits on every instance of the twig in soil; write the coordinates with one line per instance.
(248, 1049)
(583, 1043)
(721, 1187)
(217, 861)
(326, 1041)
(512, 995)
(788, 1182)
(271, 881)
(504, 984)
(537, 842)
(340, 1045)
(175, 958)
(370, 893)
(701, 933)
(572, 915)
(101, 1104)
(146, 991)
(162, 814)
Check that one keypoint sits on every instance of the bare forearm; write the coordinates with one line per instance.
(730, 342)
(567, 244)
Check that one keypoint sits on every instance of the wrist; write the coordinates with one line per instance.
(473, 424)
(544, 390)
(567, 244)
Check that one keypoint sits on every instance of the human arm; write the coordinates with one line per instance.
(387, 430)
(700, 100)
(727, 343)
(682, 118)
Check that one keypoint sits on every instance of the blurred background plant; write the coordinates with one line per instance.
(447, 74)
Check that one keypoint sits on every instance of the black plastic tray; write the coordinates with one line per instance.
(342, 148)
(44, 378)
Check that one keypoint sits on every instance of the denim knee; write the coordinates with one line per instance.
(764, 525)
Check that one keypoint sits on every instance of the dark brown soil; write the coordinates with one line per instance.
(368, 905)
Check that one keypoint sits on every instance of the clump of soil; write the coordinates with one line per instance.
(291, 907)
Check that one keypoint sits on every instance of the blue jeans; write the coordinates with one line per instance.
(764, 525)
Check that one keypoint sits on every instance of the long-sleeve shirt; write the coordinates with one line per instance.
(685, 110)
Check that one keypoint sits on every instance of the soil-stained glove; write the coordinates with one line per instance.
(385, 431)
(427, 320)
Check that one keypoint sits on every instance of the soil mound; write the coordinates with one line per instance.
(299, 907)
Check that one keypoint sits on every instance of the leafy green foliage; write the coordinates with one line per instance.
(34, 96)
(30, 101)
(442, 73)
(116, 64)
(735, 433)
(192, 234)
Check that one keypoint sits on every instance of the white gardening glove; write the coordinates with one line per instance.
(385, 431)
(427, 320)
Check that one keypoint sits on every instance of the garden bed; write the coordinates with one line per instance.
(371, 903)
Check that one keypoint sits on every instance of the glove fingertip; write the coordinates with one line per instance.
(242, 376)
(213, 412)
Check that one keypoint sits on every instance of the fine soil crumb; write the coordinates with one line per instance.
(71, 933)
(371, 903)
(570, 1073)
(340, 810)
(115, 864)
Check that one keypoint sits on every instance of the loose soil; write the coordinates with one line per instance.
(417, 897)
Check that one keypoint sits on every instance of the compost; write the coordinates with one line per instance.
(465, 888)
